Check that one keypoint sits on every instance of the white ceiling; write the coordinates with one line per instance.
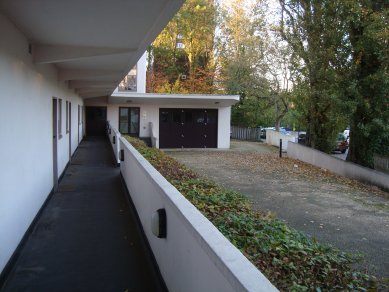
(93, 43)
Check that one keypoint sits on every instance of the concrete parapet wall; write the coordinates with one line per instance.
(338, 166)
(273, 138)
(114, 136)
(194, 256)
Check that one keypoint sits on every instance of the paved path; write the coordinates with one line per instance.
(332, 209)
(87, 238)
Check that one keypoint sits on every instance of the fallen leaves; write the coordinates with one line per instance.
(285, 168)
(289, 258)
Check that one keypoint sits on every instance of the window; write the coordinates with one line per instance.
(67, 117)
(60, 118)
(211, 117)
(129, 120)
(129, 82)
(164, 117)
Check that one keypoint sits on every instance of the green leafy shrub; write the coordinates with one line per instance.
(289, 259)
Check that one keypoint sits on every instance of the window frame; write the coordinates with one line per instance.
(129, 119)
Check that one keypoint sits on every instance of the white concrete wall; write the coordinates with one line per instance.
(113, 132)
(224, 128)
(26, 157)
(273, 138)
(141, 74)
(141, 67)
(195, 256)
(150, 113)
(338, 166)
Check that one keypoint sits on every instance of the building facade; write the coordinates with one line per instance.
(169, 120)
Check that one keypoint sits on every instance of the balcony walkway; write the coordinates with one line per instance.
(87, 238)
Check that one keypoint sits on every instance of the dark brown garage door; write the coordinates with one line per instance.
(187, 128)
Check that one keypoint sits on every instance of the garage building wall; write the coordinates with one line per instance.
(224, 128)
(26, 156)
(150, 113)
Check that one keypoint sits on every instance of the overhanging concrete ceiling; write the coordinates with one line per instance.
(93, 43)
(173, 99)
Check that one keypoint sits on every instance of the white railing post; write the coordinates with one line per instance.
(114, 138)
(192, 242)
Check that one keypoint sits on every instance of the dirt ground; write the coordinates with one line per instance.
(335, 210)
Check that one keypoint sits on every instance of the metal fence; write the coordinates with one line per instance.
(381, 163)
(250, 134)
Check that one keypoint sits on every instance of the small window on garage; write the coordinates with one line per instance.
(199, 117)
(211, 117)
(164, 117)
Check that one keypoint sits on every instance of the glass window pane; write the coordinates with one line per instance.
(129, 121)
(123, 120)
(199, 118)
(134, 125)
(164, 117)
(211, 117)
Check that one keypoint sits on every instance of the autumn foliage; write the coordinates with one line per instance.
(181, 58)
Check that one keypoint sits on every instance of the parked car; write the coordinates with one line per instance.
(347, 133)
(263, 131)
(341, 143)
(283, 131)
(302, 137)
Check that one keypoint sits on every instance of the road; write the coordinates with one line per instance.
(335, 210)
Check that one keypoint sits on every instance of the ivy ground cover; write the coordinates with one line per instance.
(288, 258)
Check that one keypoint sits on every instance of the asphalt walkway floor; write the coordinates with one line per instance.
(335, 210)
(88, 237)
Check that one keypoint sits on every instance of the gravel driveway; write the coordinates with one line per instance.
(347, 214)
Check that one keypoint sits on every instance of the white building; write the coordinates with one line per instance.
(55, 68)
(170, 120)
(54, 56)
(60, 62)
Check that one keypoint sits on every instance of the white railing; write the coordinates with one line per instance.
(194, 256)
(153, 136)
(114, 138)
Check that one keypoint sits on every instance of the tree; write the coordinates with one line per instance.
(181, 58)
(308, 27)
(243, 56)
(278, 60)
(368, 79)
